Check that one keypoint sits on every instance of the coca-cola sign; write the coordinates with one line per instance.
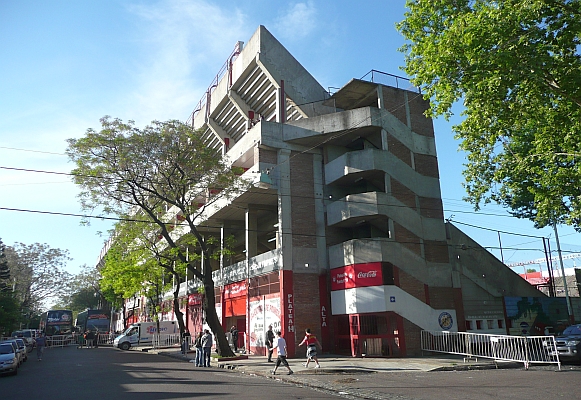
(356, 275)
(368, 274)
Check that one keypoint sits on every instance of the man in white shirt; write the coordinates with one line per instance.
(281, 351)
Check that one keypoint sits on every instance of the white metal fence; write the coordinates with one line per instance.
(166, 340)
(525, 349)
(61, 340)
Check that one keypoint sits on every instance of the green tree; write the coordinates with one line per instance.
(157, 174)
(9, 313)
(135, 266)
(516, 66)
(4, 270)
(39, 274)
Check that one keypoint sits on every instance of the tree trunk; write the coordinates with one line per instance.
(125, 313)
(213, 321)
(176, 309)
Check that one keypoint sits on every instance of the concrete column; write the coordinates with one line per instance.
(281, 104)
(320, 211)
(384, 140)
(251, 233)
(380, 101)
(284, 209)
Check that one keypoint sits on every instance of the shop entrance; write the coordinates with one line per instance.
(371, 335)
(235, 304)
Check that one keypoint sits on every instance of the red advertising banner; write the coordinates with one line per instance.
(233, 290)
(287, 303)
(356, 275)
(325, 312)
(195, 299)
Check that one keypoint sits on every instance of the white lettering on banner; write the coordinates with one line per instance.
(323, 316)
(342, 277)
(368, 274)
(236, 289)
(290, 313)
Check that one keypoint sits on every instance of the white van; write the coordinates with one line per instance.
(142, 333)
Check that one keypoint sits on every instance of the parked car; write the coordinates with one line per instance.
(28, 335)
(23, 348)
(8, 359)
(17, 351)
(569, 343)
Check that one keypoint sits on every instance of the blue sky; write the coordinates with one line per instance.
(66, 64)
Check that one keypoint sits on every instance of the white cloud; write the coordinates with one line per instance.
(298, 22)
(183, 43)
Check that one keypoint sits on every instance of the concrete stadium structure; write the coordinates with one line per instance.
(343, 231)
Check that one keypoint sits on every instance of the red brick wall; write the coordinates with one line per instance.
(399, 150)
(431, 207)
(411, 285)
(427, 165)
(407, 238)
(450, 298)
(394, 101)
(436, 251)
(441, 297)
(413, 341)
(420, 123)
(307, 308)
(302, 200)
(403, 194)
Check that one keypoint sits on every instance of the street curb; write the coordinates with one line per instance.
(477, 367)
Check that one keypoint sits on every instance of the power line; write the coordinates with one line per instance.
(32, 151)
(276, 194)
(118, 219)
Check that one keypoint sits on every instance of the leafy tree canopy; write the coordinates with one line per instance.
(516, 66)
(39, 274)
(164, 175)
(4, 270)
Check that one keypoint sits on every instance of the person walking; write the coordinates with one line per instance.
(311, 342)
(90, 338)
(186, 342)
(199, 350)
(40, 345)
(281, 351)
(234, 333)
(207, 347)
(269, 342)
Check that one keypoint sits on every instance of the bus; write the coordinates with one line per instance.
(93, 320)
(57, 322)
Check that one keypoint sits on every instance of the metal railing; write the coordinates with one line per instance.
(61, 340)
(392, 80)
(525, 349)
(166, 340)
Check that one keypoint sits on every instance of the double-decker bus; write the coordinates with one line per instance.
(93, 320)
(57, 322)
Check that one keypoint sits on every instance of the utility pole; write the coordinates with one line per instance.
(569, 309)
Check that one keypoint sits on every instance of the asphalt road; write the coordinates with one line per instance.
(106, 373)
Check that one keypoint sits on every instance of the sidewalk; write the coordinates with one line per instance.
(357, 378)
(334, 364)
